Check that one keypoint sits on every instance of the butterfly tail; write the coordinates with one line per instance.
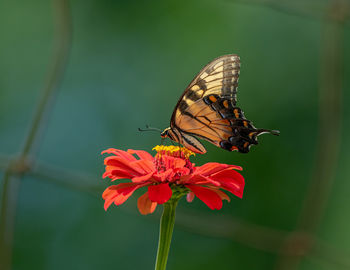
(262, 131)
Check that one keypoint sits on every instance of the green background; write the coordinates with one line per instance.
(123, 64)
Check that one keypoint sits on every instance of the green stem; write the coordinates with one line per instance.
(166, 231)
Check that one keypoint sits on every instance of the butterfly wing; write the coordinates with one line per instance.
(207, 108)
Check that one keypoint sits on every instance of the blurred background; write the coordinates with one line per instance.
(78, 77)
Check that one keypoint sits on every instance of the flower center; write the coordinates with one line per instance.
(173, 151)
(174, 161)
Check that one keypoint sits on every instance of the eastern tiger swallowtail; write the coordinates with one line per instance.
(207, 109)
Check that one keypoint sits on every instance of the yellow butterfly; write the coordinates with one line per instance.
(207, 109)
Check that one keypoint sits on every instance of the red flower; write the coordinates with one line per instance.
(169, 171)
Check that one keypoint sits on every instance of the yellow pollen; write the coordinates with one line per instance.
(176, 151)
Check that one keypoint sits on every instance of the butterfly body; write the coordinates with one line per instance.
(207, 109)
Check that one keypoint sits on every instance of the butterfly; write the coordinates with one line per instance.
(207, 110)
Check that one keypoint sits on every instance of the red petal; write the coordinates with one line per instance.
(145, 205)
(213, 167)
(137, 168)
(233, 189)
(142, 178)
(161, 177)
(160, 193)
(108, 151)
(230, 180)
(201, 180)
(178, 163)
(121, 163)
(108, 203)
(228, 175)
(115, 174)
(190, 196)
(222, 194)
(209, 197)
(116, 188)
(121, 198)
(210, 168)
(119, 193)
(143, 166)
(119, 153)
(141, 154)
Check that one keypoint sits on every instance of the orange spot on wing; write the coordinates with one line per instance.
(245, 123)
(234, 148)
(225, 103)
(251, 134)
(212, 98)
(245, 144)
(235, 111)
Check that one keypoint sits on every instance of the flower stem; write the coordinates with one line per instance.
(166, 231)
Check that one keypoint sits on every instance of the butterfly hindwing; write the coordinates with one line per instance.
(223, 126)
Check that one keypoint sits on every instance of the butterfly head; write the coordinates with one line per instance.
(169, 133)
(165, 133)
(187, 140)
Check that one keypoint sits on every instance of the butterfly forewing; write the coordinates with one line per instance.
(207, 108)
(218, 77)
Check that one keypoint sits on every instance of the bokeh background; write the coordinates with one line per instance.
(77, 77)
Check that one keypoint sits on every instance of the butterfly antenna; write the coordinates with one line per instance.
(273, 132)
(148, 128)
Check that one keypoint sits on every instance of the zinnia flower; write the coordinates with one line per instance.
(169, 173)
